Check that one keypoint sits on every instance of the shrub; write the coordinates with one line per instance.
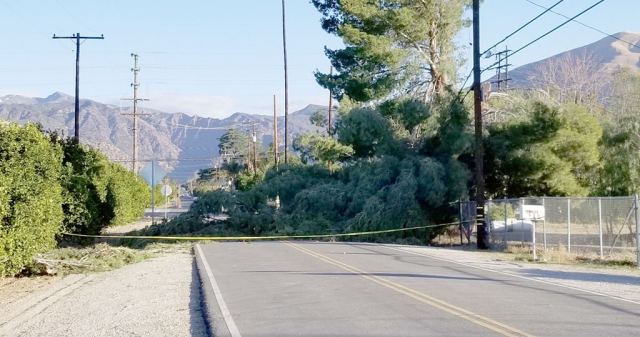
(96, 192)
(30, 195)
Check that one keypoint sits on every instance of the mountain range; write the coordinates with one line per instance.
(607, 54)
(181, 143)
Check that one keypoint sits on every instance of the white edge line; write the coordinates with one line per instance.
(515, 275)
(233, 329)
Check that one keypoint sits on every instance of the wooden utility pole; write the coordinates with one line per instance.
(286, 88)
(330, 107)
(479, 151)
(275, 132)
(77, 37)
(330, 116)
(249, 149)
(135, 113)
(255, 154)
(252, 137)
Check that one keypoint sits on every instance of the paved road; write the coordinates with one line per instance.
(170, 211)
(341, 289)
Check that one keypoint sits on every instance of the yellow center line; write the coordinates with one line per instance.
(432, 301)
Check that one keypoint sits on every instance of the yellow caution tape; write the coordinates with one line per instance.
(236, 238)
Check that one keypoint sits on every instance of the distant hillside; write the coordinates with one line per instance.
(192, 140)
(607, 53)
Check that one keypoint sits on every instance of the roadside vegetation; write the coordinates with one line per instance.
(50, 185)
(400, 151)
(73, 260)
(398, 154)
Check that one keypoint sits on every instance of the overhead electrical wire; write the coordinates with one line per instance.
(545, 34)
(556, 28)
(538, 38)
(585, 25)
(510, 35)
(523, 26)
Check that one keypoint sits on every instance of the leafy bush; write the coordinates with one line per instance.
(97, 193)
(127, 195)
(30, 195)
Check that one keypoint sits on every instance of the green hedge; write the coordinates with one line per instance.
(49, 185)
(98, 193)
(30, 195)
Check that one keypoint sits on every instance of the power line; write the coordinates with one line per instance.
(547, 33)
(74, 17)
(508, 36)
(523, 26)
(584, 24)
(554, 29)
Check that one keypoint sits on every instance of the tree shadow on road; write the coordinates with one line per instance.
(410, 275)
(580, 276)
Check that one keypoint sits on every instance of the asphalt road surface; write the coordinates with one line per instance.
(171, 210)
(341, 289)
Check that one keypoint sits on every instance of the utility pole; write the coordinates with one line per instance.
(330, 107)
(275, 133)
(502, 56)
(479, 153)
(330, 116)
(506, 68)
(135, 113)
(286, 87)
(252, 137)
(255, 154)
(77, 37)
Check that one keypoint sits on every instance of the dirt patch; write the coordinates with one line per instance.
(13, 289)
(134, 226)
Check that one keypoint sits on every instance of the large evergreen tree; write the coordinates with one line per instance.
(391, 47)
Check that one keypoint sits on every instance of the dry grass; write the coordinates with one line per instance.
(560, 255)
(97, 258)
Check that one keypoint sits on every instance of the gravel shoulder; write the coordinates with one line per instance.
(157, 297)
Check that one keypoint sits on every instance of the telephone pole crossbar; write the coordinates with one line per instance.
(135, 113)
(78, 37)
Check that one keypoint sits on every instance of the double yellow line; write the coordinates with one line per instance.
(486, 322)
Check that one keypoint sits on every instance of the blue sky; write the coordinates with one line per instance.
(214, 58)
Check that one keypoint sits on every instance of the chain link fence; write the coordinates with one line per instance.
(604, 226)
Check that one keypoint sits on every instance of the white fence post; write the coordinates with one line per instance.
(637, 232)
(544, 225)
(600, 225)
(505, 222)
(533, 239)
(569, 225)
(522, 221)
(461, 228)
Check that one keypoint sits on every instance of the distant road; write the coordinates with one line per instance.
(356, 289)
(171, 211)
